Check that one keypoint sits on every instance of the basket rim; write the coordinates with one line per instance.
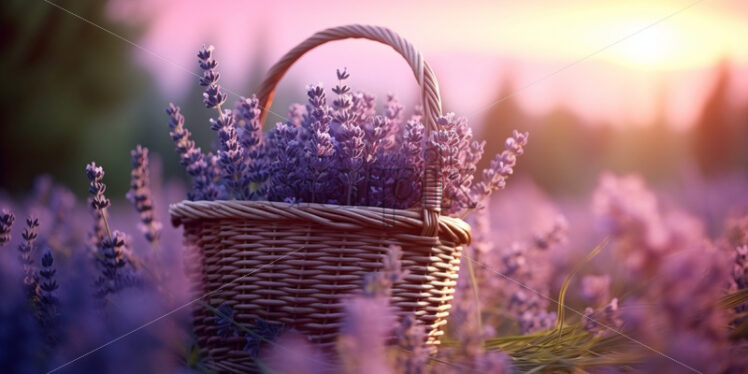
(342, 217)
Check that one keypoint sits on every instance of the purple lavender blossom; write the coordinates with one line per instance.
(411, 338)
(601, 321)
(379, 284)
(213, 97)
(255, 338)
(140, 194)
(296, 114)
(458, 158)
(47, 302)
(97, 187)
(556, 235)
(261, 333)
(740, 267)
(247, 121)
(319, 146)
(344, 102)
(404, 187)
(366, 326)
(27, 249)
(375, 137)
(339, 154)
(224, 321)
(393, 111)
(494, 178)
(6, 223)
(319, 122)
(113, 253)
(114, 276)
(595, 289)
(231, 156)
(97, 204)
(293, 354)
(350, 138)
(48, 283)
(249, 133)
(284, 158)
(191, 157)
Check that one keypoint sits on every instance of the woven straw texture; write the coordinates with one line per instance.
(294, 264)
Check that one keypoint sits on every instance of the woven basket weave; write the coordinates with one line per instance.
(293, 264)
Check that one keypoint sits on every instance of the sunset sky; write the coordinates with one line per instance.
(473, 47)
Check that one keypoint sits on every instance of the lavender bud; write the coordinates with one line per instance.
(6, 223)
(97, 188)
(212, 97)
(140, 194)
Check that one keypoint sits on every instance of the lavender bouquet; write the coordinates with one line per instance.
(339, 152)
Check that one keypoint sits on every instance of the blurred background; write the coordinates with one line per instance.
(670, 102)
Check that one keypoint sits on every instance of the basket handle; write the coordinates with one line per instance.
(430, 97)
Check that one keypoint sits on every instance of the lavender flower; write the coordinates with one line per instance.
(248, 124)
(596, 289)
(321, 142)
(224, 320)
(603, 320)
(629, 212)
(364, 105)
(295, 114)
(365, 328)
(140, 194)
(411, 337)
(375, 137)
(740, 267)
(394, 113)
(97, 188)
(61, 207)
(350, 138)
(6, 223)
(112, 261)
(319, 146)
(380, 283)
(557, 234)
(213, 96)
(343, 103)
(458, 158)
(285, 156)
(48, 283)
(191, 157)
(98, 204)
(340, 154)
(262, 332)
(113, 253)
(293, 354)
(26, 248)
(407, 181)
(231, 156)
(494, 178)
(47, 303)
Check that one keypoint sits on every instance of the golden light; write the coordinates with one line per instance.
(652, 48)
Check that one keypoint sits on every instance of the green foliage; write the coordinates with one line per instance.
(65, 90)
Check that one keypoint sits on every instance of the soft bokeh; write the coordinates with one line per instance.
(675, 87)
(638, 118)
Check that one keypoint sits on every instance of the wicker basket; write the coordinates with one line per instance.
(293, 264)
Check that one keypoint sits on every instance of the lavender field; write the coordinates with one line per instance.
(385, 233)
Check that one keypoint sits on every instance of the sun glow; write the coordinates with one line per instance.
(653, 47)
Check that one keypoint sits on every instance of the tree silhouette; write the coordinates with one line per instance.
(711, 137)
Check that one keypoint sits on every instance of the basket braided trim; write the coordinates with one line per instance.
(341, 217)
